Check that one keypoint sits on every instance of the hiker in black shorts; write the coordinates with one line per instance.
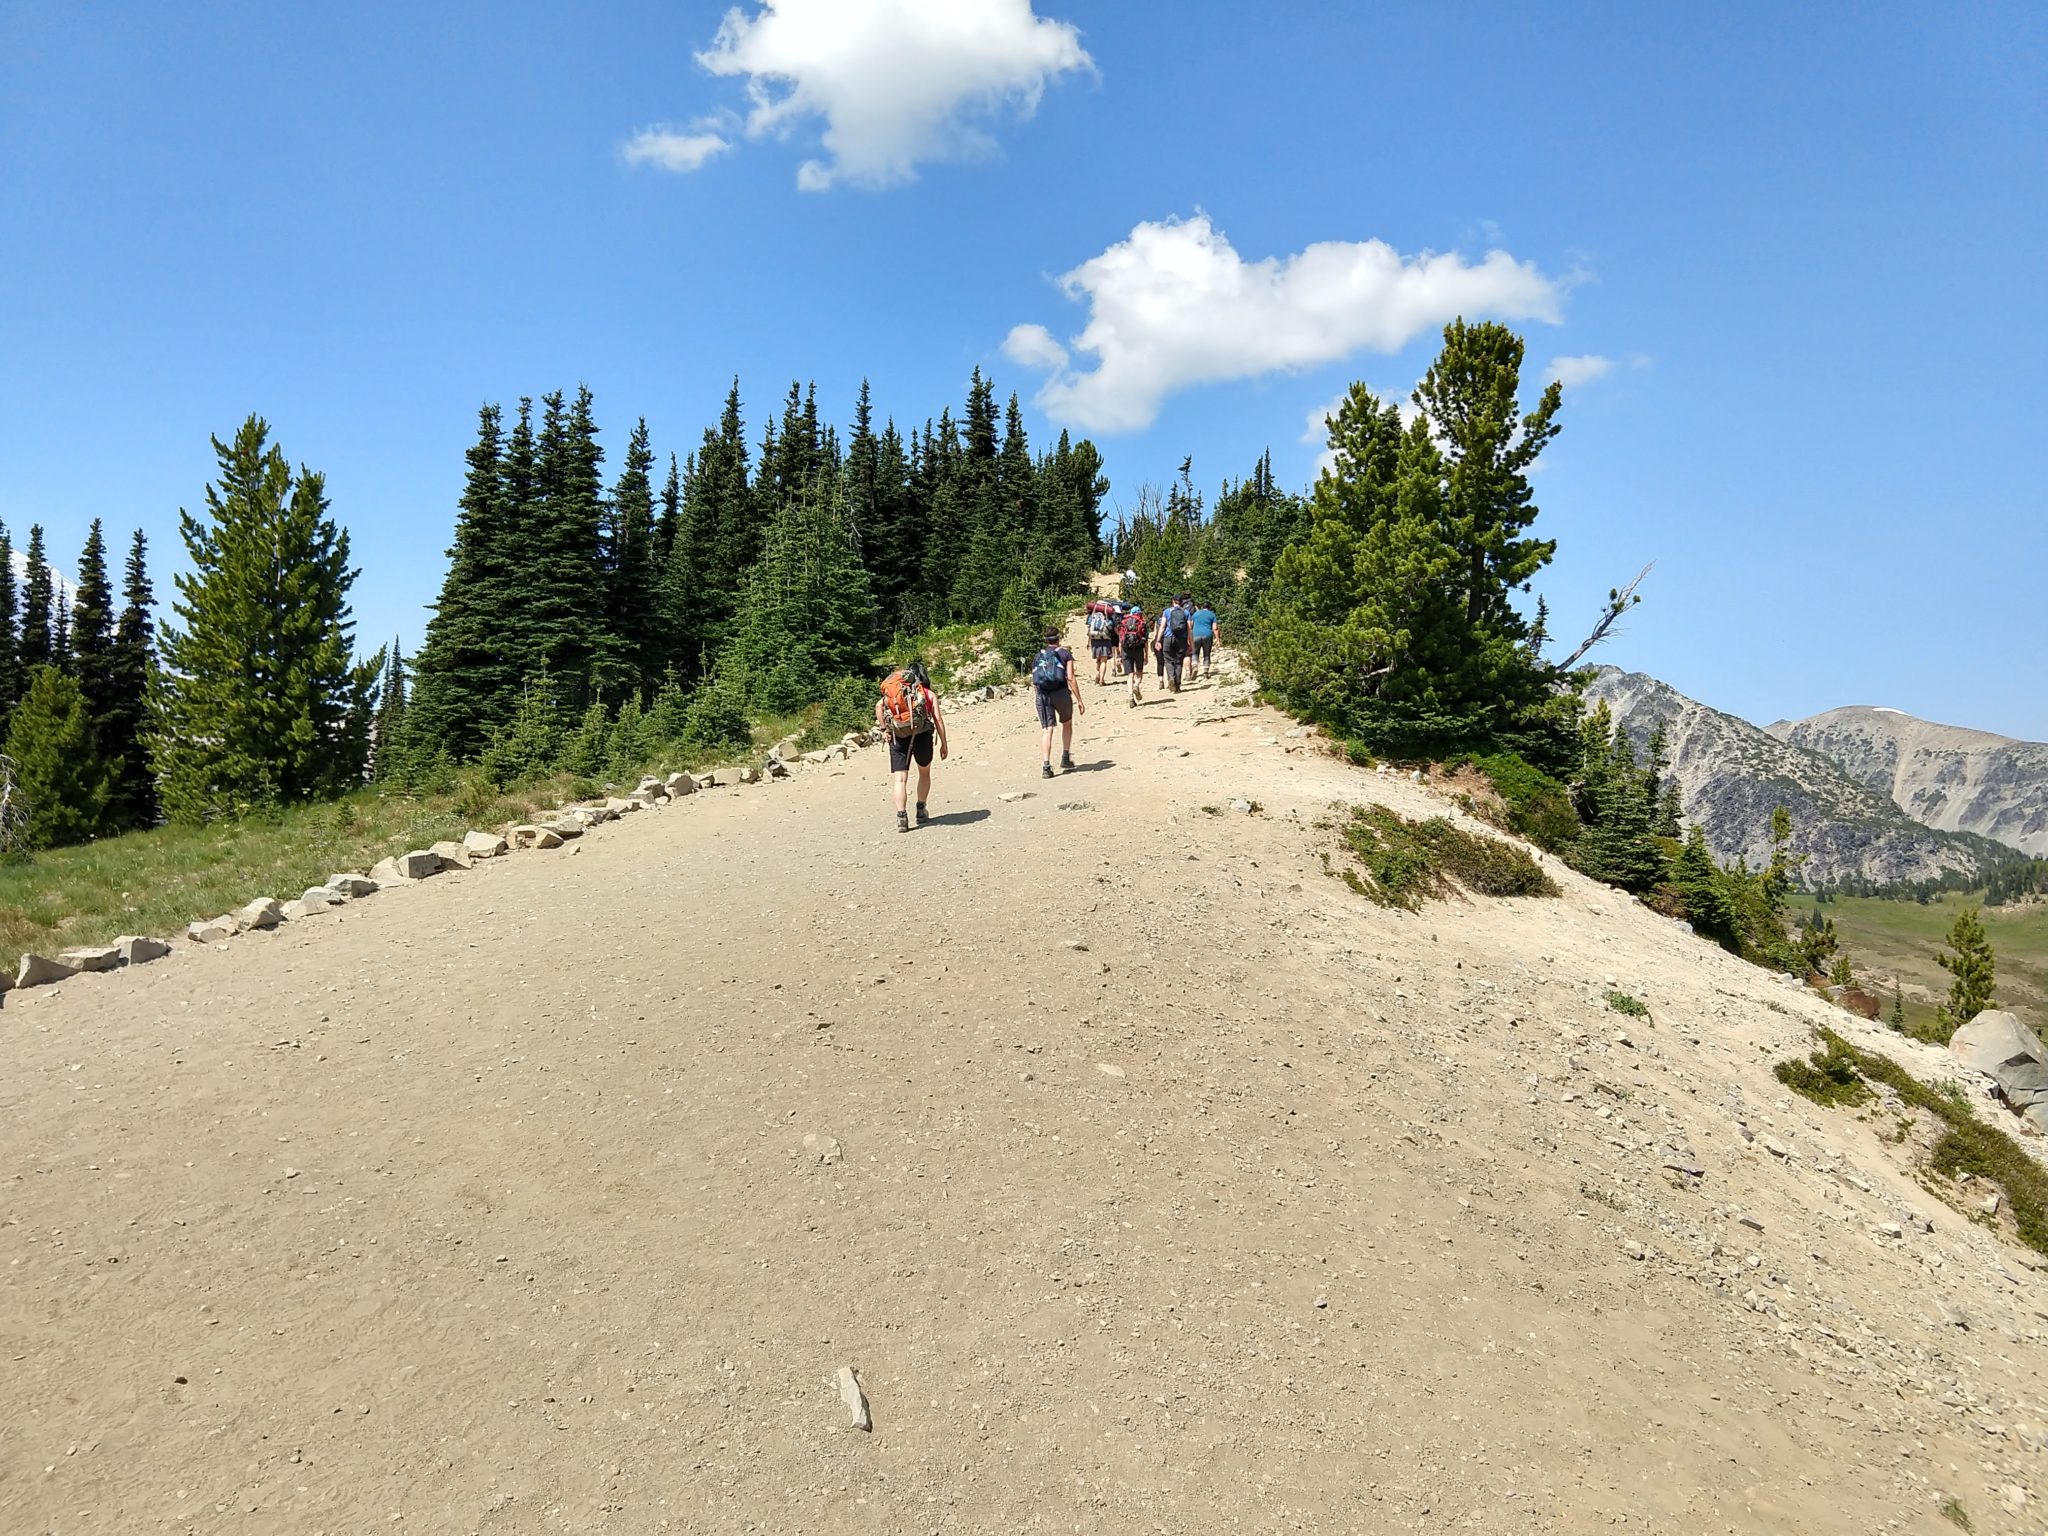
(1174, 629)
(1058, 693)
(1131, 640)
(908, 713)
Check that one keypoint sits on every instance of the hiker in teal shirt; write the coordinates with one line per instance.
(1203, 623)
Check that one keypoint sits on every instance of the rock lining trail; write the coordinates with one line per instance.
(1146, 1178)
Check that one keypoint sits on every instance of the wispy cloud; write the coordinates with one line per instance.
(668, 150)
(1571, 372)
(895, 83)
(1175, 305)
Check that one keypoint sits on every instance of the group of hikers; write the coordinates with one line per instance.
(1182, 640)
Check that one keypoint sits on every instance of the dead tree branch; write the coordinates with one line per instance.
(1619, 601)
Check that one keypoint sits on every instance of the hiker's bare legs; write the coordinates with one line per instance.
(924, 777)
(924, 785)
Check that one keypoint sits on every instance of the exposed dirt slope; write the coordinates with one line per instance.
(487, 1205)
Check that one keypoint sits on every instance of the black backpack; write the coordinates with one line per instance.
(1049, 670)
(1176, 624)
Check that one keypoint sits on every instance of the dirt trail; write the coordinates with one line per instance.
(488, 1205)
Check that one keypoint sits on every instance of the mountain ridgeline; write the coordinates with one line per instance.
(1944, 776)
(1732, 774)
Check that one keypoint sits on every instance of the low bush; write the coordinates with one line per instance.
(1407, 862)
(1538, 806)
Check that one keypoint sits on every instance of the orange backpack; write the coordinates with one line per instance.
(903, 705)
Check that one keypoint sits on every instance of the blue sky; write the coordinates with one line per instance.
(1807, 242)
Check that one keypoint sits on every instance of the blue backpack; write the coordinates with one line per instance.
(1050, 668)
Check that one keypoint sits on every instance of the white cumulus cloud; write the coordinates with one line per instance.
(1034, 347)
(1574, 371)
(671, 151)
(1175, 305)
(897, 83)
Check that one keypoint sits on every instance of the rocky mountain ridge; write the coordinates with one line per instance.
(1943, 776)
(1732, 774)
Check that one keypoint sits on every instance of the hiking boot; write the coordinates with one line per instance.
(1045, 769)
(902, 822)
(1066, 762)
(923, 815)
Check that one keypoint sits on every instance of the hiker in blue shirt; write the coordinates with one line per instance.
(1203, 622)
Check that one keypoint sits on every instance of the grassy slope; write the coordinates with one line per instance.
(1887, 938)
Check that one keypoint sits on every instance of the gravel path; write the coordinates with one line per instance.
(1148, 1178)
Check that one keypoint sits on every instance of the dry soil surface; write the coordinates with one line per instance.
(1149, 1179)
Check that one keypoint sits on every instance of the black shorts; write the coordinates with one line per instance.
(1054, 705)
(1134, 658)
(903, 748)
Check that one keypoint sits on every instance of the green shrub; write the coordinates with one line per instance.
(1634, 1007)
(1408, 862)
(1538, 806)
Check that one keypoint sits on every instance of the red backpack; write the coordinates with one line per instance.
(1133, 631)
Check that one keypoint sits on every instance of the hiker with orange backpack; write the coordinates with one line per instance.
(908, 714)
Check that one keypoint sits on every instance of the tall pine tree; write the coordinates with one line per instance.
(260, 699)
(124, 727)
(628, 662)
(93, 660)
(61, 782)
(10, 630)
(389, 749)
(38, 602)
(472, 660)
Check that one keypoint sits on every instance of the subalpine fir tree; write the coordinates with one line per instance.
(1700, 887)
(862, 479)
(260, 699)
(389, 750)
(529, 742)
(38, 602)
(61, 782)
(989, 540)
(1393, 617)
(60, 634)
(719, 506)
(1972, 968)
(631, 741)
(587, 749)
(123, 729)
(10, 630)
(93, 660)
(806, 614)
(627, 659)
(684, 590)
(567, 601)
(670, 517)
(468, 670)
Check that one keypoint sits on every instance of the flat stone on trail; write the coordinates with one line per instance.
(1109, 1069)
(139, 950)
(483, 845)
(318, 896)
(451, 854)
(40, 970)
(214, 930)
(856, 1400)
(416, 865)
(1012, 796)
(527, 835)
(264, 913)
(351, 886)
(823, 1149)
(98, 957)
(622, 806)
(566, 827)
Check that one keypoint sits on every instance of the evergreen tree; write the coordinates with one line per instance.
(60, 635)
(260, 699)
(529, 742)
(1698, 881)
(670, 518)
(466, 676)
(38, 602)
(892, 537)
(669, 714)
(1897, 1016)
(123, 729)
(684, 590)
(1842, 974)
(61, 782)
(390, 747)
(806, 613)
(588, 748)
(1972, 967)
(10, 630)
(93, 660)
(628, 648)
(1393, 616)
(1778, 875)
(988, 540)
(631, 740)
(725, 515)
(567, 598)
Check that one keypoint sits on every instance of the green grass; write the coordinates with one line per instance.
(1402, 863)
(1634, 1007)
(1966, 1144)
(156, 882)
(1887, 938)
(1953, 1512)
